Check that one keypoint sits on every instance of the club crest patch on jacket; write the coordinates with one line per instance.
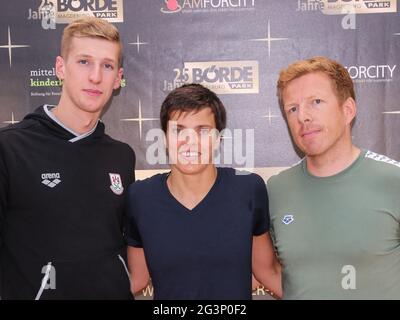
(116, 183)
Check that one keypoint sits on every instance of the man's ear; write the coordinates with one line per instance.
(117, 82)
(349, 109)
(60, 68)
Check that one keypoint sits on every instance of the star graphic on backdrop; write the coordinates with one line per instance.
(269, 39)
(270, 115)
(140, 119)
(391, 112)
(12, 121)
(11, 46)
(138, 43)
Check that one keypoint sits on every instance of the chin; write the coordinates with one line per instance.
(311, 149)
(92, 109)
(313, 152)
(191, 169)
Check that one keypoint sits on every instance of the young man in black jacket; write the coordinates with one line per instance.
(62, 181)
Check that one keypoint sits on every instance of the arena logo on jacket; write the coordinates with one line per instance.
(51, 179)
(116, 183)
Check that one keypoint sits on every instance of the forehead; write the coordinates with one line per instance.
(203, 116)
(94, 47)
(308, 84)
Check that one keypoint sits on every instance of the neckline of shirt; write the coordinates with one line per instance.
(47, 109)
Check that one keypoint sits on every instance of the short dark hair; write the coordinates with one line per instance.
(192, 97)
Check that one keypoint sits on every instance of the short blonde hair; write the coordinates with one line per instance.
(341, 80)
(93, 28)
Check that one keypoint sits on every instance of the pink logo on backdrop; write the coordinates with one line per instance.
(171, 6)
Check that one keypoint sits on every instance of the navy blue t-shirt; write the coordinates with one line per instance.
(203, 253)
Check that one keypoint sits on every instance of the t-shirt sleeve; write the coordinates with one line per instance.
(260, 207)
(132, 235)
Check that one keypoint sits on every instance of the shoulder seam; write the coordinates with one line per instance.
(291, 167)
(381, 158)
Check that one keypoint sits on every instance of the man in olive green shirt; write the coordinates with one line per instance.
(335, 216)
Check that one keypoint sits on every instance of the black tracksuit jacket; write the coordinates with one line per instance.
(62, 211)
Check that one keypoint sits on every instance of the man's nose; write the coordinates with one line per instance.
(95, 74)
(304, 114)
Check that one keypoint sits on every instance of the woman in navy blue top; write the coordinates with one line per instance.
(199, 231)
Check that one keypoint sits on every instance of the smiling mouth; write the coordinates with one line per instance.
(190, 154)
(190, 157)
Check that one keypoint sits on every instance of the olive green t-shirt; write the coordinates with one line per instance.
(338, 237)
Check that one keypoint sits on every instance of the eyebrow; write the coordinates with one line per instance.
(196, 127)
(83, 55)
(307, 98)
